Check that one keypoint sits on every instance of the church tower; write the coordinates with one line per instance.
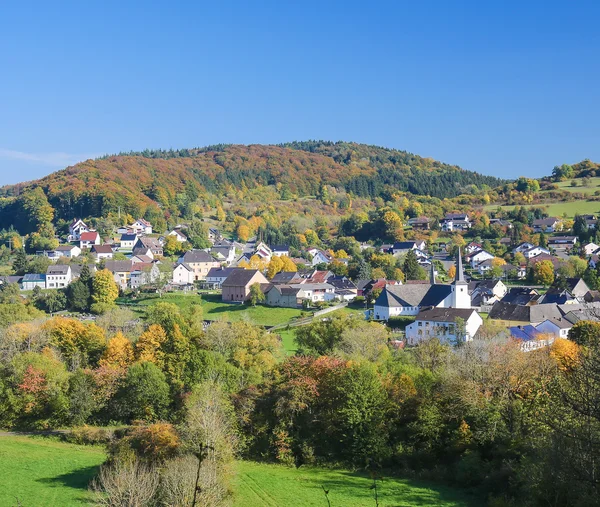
(460, 288)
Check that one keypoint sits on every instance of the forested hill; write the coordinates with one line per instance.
(139, 181)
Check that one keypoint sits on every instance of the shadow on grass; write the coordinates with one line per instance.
(395, 491)
(76, 479)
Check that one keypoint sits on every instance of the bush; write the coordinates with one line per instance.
(90, 435)
(101, 308)
(400, 322)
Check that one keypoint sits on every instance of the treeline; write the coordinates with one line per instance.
(517, 428)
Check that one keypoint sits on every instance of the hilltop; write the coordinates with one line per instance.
(139, 182)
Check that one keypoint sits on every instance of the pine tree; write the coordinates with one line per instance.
(20, 262)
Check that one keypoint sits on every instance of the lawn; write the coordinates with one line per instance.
(261, 485)
(288, 340)
(46, 472)
(215, 309)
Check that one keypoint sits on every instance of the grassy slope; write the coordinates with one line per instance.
(44, 472)
(260, 485)
(558, 208)
(215, 309)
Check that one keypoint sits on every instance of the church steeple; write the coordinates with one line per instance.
(460, 292)
(459, 277)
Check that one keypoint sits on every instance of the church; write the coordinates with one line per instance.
(410, 299)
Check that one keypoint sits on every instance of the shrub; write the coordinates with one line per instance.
(90, 435)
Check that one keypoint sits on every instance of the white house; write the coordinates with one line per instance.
(319, 256)
(450, 325)
(89, 239)
(142, 226)
(535, 251)
(76, 228)
(455, 222)
(590, 248)
(127, 241)
(68, 251)
(557, 327)
(102, 252)
(179, 235)
(562, 241)
(523, 247)
(280, 250)
(550, 224)
(58, 276)
(480, 256)
(183, 274)
(216, 276)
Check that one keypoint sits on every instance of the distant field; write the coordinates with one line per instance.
(566, 185)
(261, 485)
(558, 208)
(215, 309)
(41, 472)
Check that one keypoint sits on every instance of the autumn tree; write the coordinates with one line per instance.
(274, 267)
(118, 353)
(543, 273)
(149, 343)
(104, 291)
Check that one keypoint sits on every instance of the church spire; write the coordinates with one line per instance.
(459, 277)
(432, 274)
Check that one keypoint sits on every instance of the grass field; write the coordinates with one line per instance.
(46, 473)
(566, 185)
(260, 485)
(215, 309)
(557, 209)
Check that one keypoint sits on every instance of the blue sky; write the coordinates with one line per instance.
(504, 88)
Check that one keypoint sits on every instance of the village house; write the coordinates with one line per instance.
(286, 278)
(523, 247)
(236, 288)
(183, 274)
(89, 239)
(66, 251)
(562, 242)
(280, 250)
(486, 292)
(403, 247)
(76, 228)
(143, 244)
(478, 257)
(550, 224)
(214, 235)
(535, 251)
(224, 254)
(121, 271)
(420, 223)
(142, 226)
(472, 247)
(200, 262)
(449, 325)
(102, 252)
(179, 235)
(590, 248)
(216, 276)
(127, 241)
(455, 222)
(143, 274)
(319, 257)
(58, 276)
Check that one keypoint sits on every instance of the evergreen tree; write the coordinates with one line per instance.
(411, 268)
(543, 241)
(20, 262)
(364, 270)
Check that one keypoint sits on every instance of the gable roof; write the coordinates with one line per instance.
(119, 266)
(183, 265)
(58, 269)
(284, 277)
(220, 272)
(89, 236)
(65, 248)
(197, 256)
(522, 313)
(128, 237)
(396, 296)
(240, 277)
(102, 249)
(445, 314)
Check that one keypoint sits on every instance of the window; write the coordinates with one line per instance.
(420, 324)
